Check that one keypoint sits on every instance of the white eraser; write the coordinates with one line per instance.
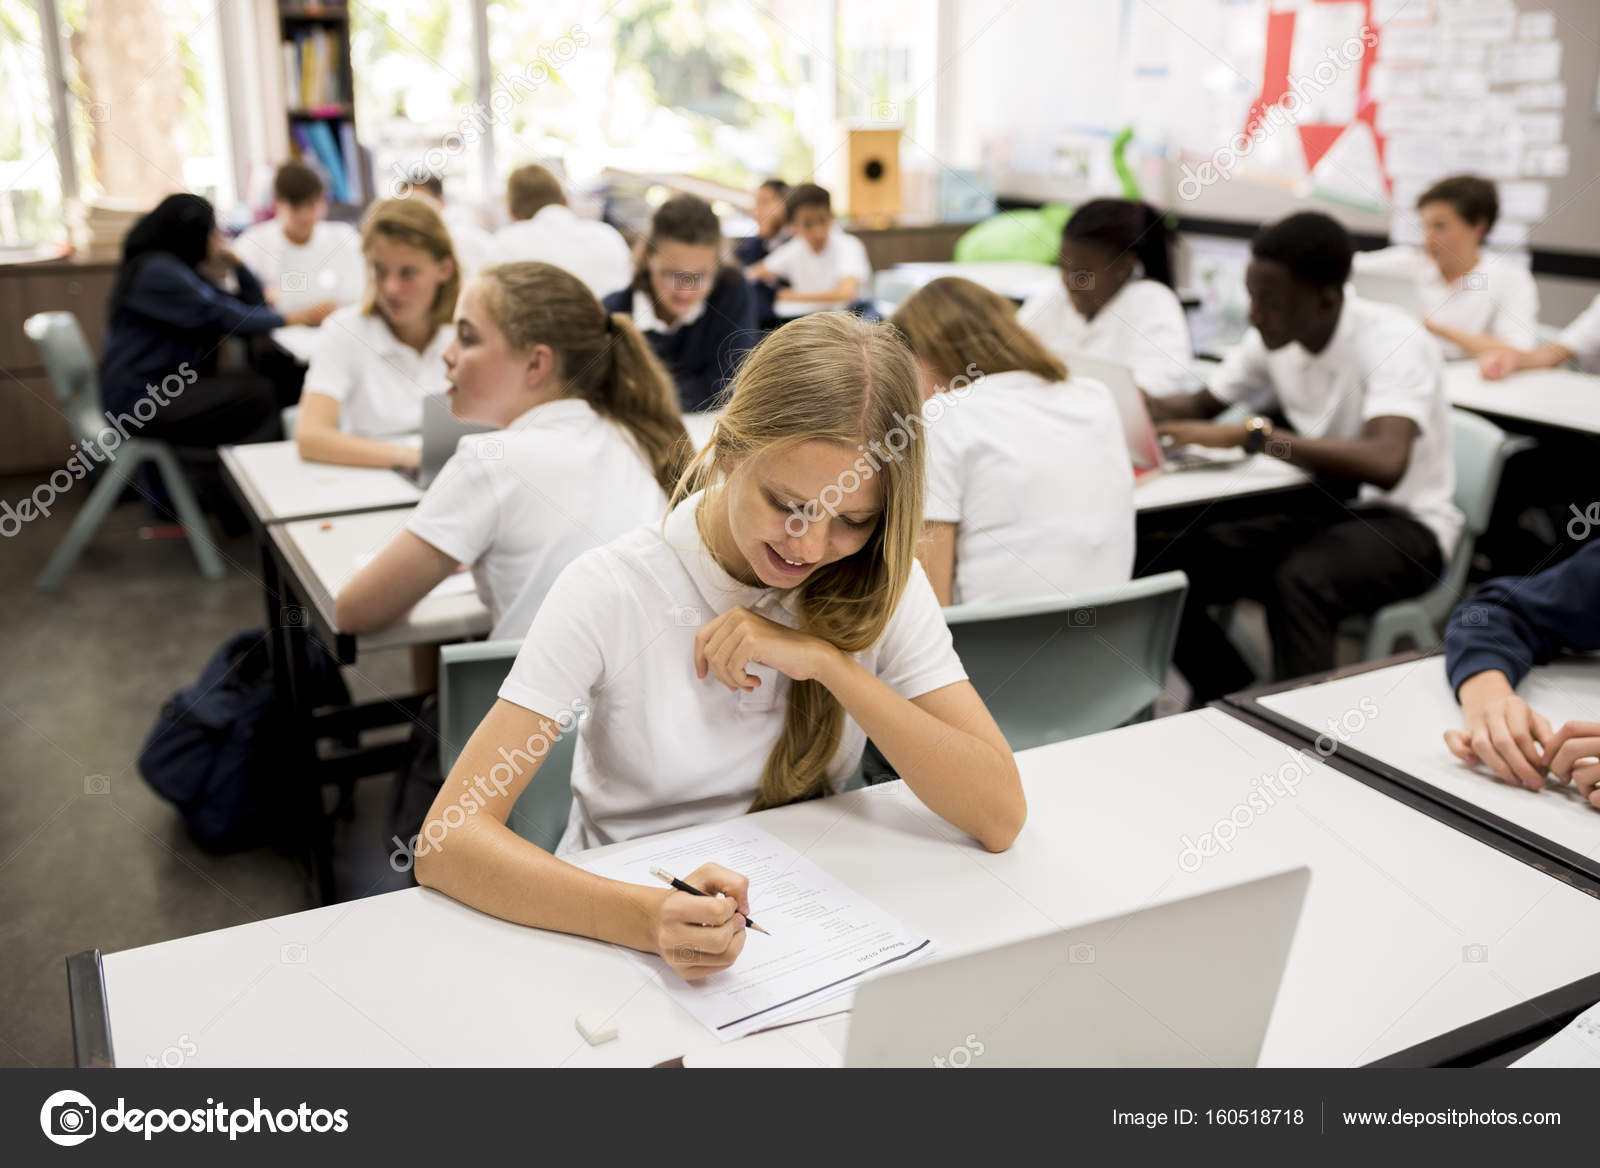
(597, 1026)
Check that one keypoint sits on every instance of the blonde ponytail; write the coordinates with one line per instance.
(601, 356)
(832, 377)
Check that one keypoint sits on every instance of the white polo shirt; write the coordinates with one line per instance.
(589, 249)
(817, 271)
(1378, 363)
(1582, 336)
(328, 266)
(1142, 327)
(522, 503)
(1035, 475)
(1497, 298)
(660, 748)
(378, 380)
(646, 320)
(474, 247)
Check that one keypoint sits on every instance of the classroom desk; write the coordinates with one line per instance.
(413, 978)
(1258, 474)
(300, 340)
(1391, 721)
(1016, 280)
(276, 485)
(1562, 399)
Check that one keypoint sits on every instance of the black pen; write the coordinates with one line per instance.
(668, 878)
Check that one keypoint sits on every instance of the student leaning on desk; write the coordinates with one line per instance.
(735, 658)
(1493, 639)
(1579, 342)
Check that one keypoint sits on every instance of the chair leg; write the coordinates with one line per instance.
(101, 499)
(189, 514)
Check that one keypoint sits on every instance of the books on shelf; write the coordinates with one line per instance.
(313, 78)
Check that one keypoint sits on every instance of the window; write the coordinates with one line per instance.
(30, 184)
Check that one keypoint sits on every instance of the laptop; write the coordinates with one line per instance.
(442, 432)
(1144, 444)
(1396, 288)
(1186, 984)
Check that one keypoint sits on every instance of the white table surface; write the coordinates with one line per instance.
(1551, 397)
(302, 340)
(1013, 279)
(415, 978)
(283, 486)
(1398, 716)
(1257, 474)
(327, 552)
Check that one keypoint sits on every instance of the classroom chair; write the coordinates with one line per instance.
(1064, 666)
(469, 682)
(1481, 449)
(71, 368)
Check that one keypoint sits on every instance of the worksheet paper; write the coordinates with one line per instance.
(825, 938)
(1577, 1045)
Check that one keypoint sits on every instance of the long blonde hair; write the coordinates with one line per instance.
(601, 357)
(831, 377)
(415, 224)
(952, 323)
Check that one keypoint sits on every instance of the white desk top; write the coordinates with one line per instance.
(1414, 707)
(1013, 279)
(281, 485)
(327, 552)
(302, 340)
(414, 978)
(1551, 397)
(1257, 474)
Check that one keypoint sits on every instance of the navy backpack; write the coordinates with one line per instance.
(216, 749)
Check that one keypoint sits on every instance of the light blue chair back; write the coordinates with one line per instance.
(469, 682)
(1064, 666)
(71, 366)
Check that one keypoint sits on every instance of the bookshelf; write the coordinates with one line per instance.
(318, 87)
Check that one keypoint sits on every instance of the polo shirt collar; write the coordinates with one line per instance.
(646, 320)
(392, 346)
(555, 411)
(1344, 335)
(720, 590)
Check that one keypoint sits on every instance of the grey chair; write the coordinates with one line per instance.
(469, 682)
(1064, 666)
(1481, 449)
(71, 367)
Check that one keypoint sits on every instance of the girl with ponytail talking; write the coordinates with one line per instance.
(1116, 299)
(590, 442)
(736, 657)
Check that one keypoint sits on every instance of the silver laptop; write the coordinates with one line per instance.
(1186, 984)
(442, 431)
(1396, 288)
(1144, 444)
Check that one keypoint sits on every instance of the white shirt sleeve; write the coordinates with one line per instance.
(1243, 375)
(460, 512)
(1155, 314)
(916, 654)
(1582, 336)
(1402, 382)
(562, 660)
(780, 261)
(945, 473)
(348, 262)
(260, 252)
(335, 367)
(852, 260)
(1516, 312)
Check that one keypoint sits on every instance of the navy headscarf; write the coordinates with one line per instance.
(180, 226)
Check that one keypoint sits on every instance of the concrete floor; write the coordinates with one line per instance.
(85, 671)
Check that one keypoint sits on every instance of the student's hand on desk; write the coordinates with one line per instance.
(1497, 363)
(1574, 753)
(739, 637)
(1501, 731)
(1201, 434)
(698, 935)
(407, 457)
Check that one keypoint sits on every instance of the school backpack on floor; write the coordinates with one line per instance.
(216, 749)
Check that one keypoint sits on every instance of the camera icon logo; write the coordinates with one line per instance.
(67, 1118)
(293, 617)
(96, 112)
(1473, 616)
(1278, 448)
(1083, 618)
(685, 954)
(1476, 281)
(1080, 280)
(293, 281)
(491, 448)
(1081, 954)
(885, 111)
(686, 616)
(292, 954)
(97, 784)
(1475, 954)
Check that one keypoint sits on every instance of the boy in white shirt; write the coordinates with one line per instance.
(821, 263)
(546, 230)
(302, 260)
(1473, 303)
(1362, 387)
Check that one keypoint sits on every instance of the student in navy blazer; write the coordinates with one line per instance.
(698, 314)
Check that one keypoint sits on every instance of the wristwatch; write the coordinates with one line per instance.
(1258, 432)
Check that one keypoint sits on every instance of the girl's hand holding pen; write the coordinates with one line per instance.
(698, 935)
